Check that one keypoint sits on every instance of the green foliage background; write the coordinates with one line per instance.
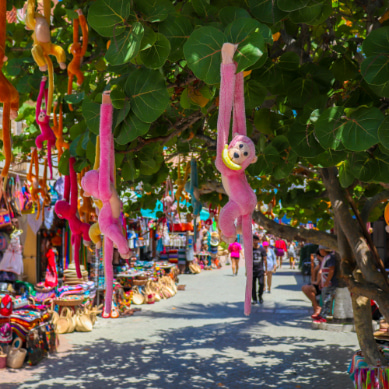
(316, 92)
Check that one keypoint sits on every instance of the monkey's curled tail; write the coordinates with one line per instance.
(248, 254)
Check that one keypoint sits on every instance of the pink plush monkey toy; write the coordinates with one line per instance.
(43, 121)
(232, 160)
(68, 211)
(100, 185)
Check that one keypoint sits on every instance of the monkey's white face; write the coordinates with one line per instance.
(239, 153)
(42, 116)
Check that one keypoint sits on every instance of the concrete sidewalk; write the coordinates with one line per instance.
(201, 339)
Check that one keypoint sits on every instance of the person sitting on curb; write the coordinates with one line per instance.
(312, 290)
(329, 283)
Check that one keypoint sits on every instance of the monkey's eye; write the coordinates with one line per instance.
(241, 146)
(245, 153)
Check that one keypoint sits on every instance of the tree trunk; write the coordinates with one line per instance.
(364, 330)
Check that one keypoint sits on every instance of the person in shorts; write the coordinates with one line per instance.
(235, 250)
(271, 265)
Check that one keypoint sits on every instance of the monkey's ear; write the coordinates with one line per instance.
(255, 159)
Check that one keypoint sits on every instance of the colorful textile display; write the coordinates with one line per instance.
(369, 377)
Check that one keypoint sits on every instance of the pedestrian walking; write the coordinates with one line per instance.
(280, 249)
(292, 254)
(271, 265)
(259, 270)
(235, 250)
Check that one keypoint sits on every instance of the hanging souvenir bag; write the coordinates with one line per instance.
(28, 205)
(83, 321)
(16, 355)
(18, 195)
(5, 216)
(4, 240)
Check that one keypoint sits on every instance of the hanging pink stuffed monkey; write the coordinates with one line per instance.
(232, 160)
(43, 121)
(68, 211)
(100, 185)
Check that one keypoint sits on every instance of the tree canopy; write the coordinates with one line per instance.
(316, 95)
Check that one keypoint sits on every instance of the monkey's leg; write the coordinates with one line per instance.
(39, 57)
(227, 217)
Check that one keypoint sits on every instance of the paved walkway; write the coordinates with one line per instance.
(201, 339)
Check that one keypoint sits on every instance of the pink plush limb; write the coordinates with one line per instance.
(76, 243)
(239, 115)
(108, 256)
(228, 214)
(105, 152)
(226, 96)
(112, 165)
(39, 100)
(39, 141)
(49, 146)
(73, 186)
(115, 233)
(248, 254)
(66, 193)
(85, 231)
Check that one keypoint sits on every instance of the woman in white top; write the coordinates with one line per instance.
(271, 264)
(292, 255)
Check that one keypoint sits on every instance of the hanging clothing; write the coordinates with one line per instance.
(51, 279)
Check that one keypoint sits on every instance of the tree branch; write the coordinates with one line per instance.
(293, 233)
(190, 120)
(372, 203)
(356, 240)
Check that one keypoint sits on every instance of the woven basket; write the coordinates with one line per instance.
(83, 321)
(142, 278)
(16, 355)
(139, 282)
(67, 303)
(137, 297)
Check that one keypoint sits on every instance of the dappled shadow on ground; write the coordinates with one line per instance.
(228, 355)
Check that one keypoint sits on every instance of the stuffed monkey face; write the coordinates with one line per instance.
(90, 184)
(43, 118)
(75, 48)
(241, 151)
(62, 209)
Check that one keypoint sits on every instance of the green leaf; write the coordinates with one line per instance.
(375, 70)
(148, 93)
(362, 167)
(91, 152)
(118, 98)
(291, 5)
(383, 133)
(361, 129)
(75, 98)
(107, 16)
(307, 14)
(91, 113)
(201, 7)
(130, 129)
(246, 33)
(328, 128)
(126, 46)
(77, 129)
(344, 69)
(120, 115)
(155, 56)
(345, 176)
(254, 94)
(203, 53)
(13, 66)
(229, 14)
(177, 30)
(289, 62)
(302, 140)
(266, 11)
(155, 10)
(377, 42)
(148, 39)
(63, 165)
(301, 91)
